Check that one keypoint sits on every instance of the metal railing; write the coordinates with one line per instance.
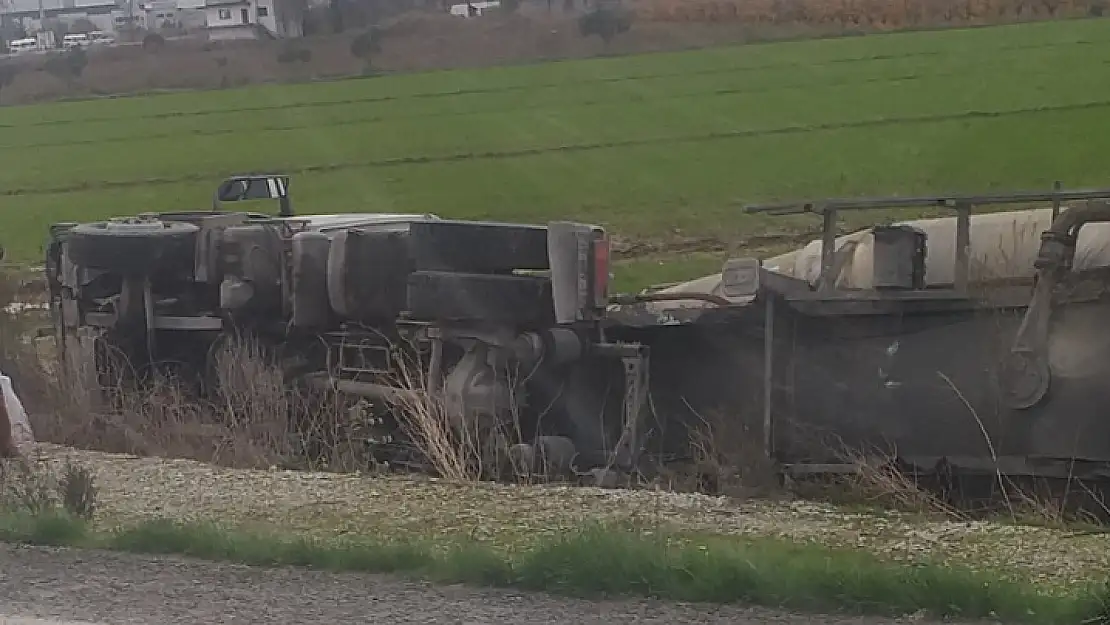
(963, 205)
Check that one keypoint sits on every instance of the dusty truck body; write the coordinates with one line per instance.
(973, 342)
(501, 322)
(970, 342)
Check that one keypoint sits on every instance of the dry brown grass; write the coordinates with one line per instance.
(864, 15)
(254, 420)
(463, 450)
(726, 457)
(452, 450)
(26, 487)
(878, 480)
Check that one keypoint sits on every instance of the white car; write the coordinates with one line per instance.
(23, 45)
(99, 37)
(75, 40)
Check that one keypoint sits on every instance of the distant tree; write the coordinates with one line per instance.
(12, 31)
(335, 9)
(8, 73)
(348, 15)
(57, 26)
(77, 61)
(292, 53)
(154, 42)
(67, 66)
(221, 63)
(317, 21)
(366, 45)
(293, 14)
(82, 25)
(605, 22)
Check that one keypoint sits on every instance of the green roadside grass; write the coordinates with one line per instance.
(609, 561)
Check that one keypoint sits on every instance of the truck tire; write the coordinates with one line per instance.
(132, 245)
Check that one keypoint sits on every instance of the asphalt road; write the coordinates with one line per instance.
(72, 587)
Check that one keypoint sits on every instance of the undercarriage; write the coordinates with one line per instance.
(913, 342)
(484, 330)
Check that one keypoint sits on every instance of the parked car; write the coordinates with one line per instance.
(101, 38)
(18, 46)
(75, 40)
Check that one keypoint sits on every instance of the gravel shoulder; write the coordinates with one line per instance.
(132, 489)
(122, 589)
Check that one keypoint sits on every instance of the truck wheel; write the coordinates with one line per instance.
(132, 245)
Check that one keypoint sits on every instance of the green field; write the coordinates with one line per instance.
(657, 147)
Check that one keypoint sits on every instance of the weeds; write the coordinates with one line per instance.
(78, 491)
(254, 419)
(462, 450)
(29, 490)
(603, 560)
(26, 490)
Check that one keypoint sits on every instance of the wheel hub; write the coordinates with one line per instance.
(1025, 380)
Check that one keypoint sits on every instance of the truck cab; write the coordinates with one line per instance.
(335, 297)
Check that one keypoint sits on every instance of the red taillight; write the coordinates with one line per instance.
(601, 269)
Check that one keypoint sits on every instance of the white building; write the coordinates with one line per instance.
(473, 9)
(153, 15)
(249, 19)
(104, 14)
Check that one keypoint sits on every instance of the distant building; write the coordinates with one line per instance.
(249, 19)
(106, 15)
(473, 9)
(157, 14)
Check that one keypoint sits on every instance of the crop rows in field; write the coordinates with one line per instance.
(529, 120)
(643, 144)
(568, 148)
(690, 85)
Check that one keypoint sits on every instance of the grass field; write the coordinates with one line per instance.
(662, 148)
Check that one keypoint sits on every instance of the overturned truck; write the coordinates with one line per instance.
(970, 341)
(502, 323)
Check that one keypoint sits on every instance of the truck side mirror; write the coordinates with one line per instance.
(263, 187)
(232, 191)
